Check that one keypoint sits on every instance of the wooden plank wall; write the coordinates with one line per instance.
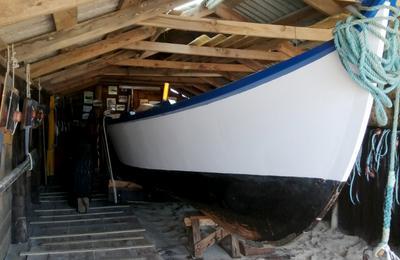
(365, 218)
(15, 202)
(5, 197)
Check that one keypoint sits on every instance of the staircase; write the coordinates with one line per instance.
(107, 231)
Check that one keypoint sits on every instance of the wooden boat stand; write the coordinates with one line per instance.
(200, 244)
(235, 247)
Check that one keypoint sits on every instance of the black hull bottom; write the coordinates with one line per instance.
(261, 208)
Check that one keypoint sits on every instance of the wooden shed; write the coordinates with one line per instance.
(80, 179)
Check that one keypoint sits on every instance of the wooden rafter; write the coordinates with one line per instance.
(328, 7)
(216, 82)
(82, 69)
(228, 13)
(87, 52)
(206, 51)
(76, 87)
(161, 79)
(18, 10)
(65, 19)
(232, 48)
(84, 83)
(145, 72)
(238, 28)
(126, 3)
(93, 28)
(183, 65)
(197, 12)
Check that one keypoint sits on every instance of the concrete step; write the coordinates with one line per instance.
(111, 252)
(66, 205)
(74, 216)
(47, 210)
(64, 230)
(64, 195)
(91, 244)
(120, 254)
(111, 234)
(107, 231)
(46, 200)
(82, 221)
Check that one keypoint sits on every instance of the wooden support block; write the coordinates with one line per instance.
(231, 245)
(126, 185)
(200, 244)
(203, 220)
(196, 237)
(209, 241)
(247, 250)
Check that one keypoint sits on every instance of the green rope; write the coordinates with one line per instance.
(380, 76)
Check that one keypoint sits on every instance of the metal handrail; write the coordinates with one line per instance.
(23, 167)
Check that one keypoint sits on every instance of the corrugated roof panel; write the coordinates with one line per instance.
(267, 11)
(96, 8)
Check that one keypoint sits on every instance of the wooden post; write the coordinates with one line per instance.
(20, 228)
(37, 170)
(19, 233)
(335, 216)
(5, 197)
(198, 252)
(51, 138)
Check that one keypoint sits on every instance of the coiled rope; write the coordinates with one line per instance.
(380, 76)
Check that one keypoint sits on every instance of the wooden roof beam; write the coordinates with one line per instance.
(328, 7)
(238, 28)
(161, 79)
(65, 19)
(87, 52)
(216, 82)
(183, 65)
(82, 69)
(196, 12)
(145, 72)
(77, 87)
(93, 28)
(227, 13)
(71, 84)
(18, 10)
(206, 51)
(126, 3)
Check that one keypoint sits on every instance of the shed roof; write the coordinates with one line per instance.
(73, 45)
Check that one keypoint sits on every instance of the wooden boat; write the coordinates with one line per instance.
(265, 156)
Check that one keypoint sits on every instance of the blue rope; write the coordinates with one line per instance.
(356, 171)
(378, 75)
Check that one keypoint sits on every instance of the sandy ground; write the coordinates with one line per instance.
(324, 243)
(164, 221)
(164, 227)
